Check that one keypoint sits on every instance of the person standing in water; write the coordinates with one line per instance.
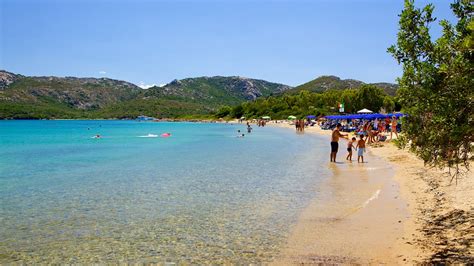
(361, 149)
(336, 134)
(350, 146)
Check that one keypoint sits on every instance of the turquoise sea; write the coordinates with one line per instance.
(200, 196)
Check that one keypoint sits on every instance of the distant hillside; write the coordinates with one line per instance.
(78, 93)
(325, 83)
(216, 91)
(71, 97)
(193, 96)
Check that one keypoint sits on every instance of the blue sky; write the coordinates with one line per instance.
(154, 42)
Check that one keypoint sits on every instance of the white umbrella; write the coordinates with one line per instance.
(364, 111)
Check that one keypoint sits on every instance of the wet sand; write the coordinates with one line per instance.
(357, 219)
(391, 210)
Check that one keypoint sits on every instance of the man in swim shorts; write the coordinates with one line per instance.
(336, 134)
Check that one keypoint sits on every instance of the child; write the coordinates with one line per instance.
(361, 146)
(350, 145)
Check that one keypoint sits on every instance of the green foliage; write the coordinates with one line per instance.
(40, 110)
(159, 108)
(223, 112)
(326, 83)
(309, 103)
(369, 96)
(436, 89)
(237, 111)
(389, 104)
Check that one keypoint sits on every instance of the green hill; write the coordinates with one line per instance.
(24, 97)
(324, 83)
(216, 91)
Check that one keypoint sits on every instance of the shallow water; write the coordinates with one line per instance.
(202, 195)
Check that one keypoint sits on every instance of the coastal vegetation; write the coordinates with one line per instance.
(325, 83)
(436, 88)
(306, 103)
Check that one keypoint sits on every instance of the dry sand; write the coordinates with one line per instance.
(391, 210)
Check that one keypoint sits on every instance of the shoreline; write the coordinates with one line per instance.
(410, 215)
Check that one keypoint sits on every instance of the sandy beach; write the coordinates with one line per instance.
(390, 210)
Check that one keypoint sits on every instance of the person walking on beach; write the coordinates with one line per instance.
(360, 147)
(336, 134)
(394, 127)
(387, 124)
(350, 146)
(370, 133)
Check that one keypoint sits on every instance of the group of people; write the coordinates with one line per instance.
(374, 130)
(359, 146)
(249, 130)
(261, 123)
(299, 125)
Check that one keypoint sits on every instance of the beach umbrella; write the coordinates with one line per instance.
(311, 116)
(266, 117)
(291, 117)
(397, 115)
(364, 111)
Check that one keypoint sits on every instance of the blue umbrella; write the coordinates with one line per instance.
(397, 115)
(362, 116)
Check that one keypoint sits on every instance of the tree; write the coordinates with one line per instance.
(388, 104)
(224, 111)
(436, 88)
(369, 96)
(237, 111)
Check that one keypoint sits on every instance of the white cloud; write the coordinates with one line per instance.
(102, 72)
(147, 86)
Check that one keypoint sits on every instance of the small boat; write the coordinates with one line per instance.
(144, 118)
(149, 136)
